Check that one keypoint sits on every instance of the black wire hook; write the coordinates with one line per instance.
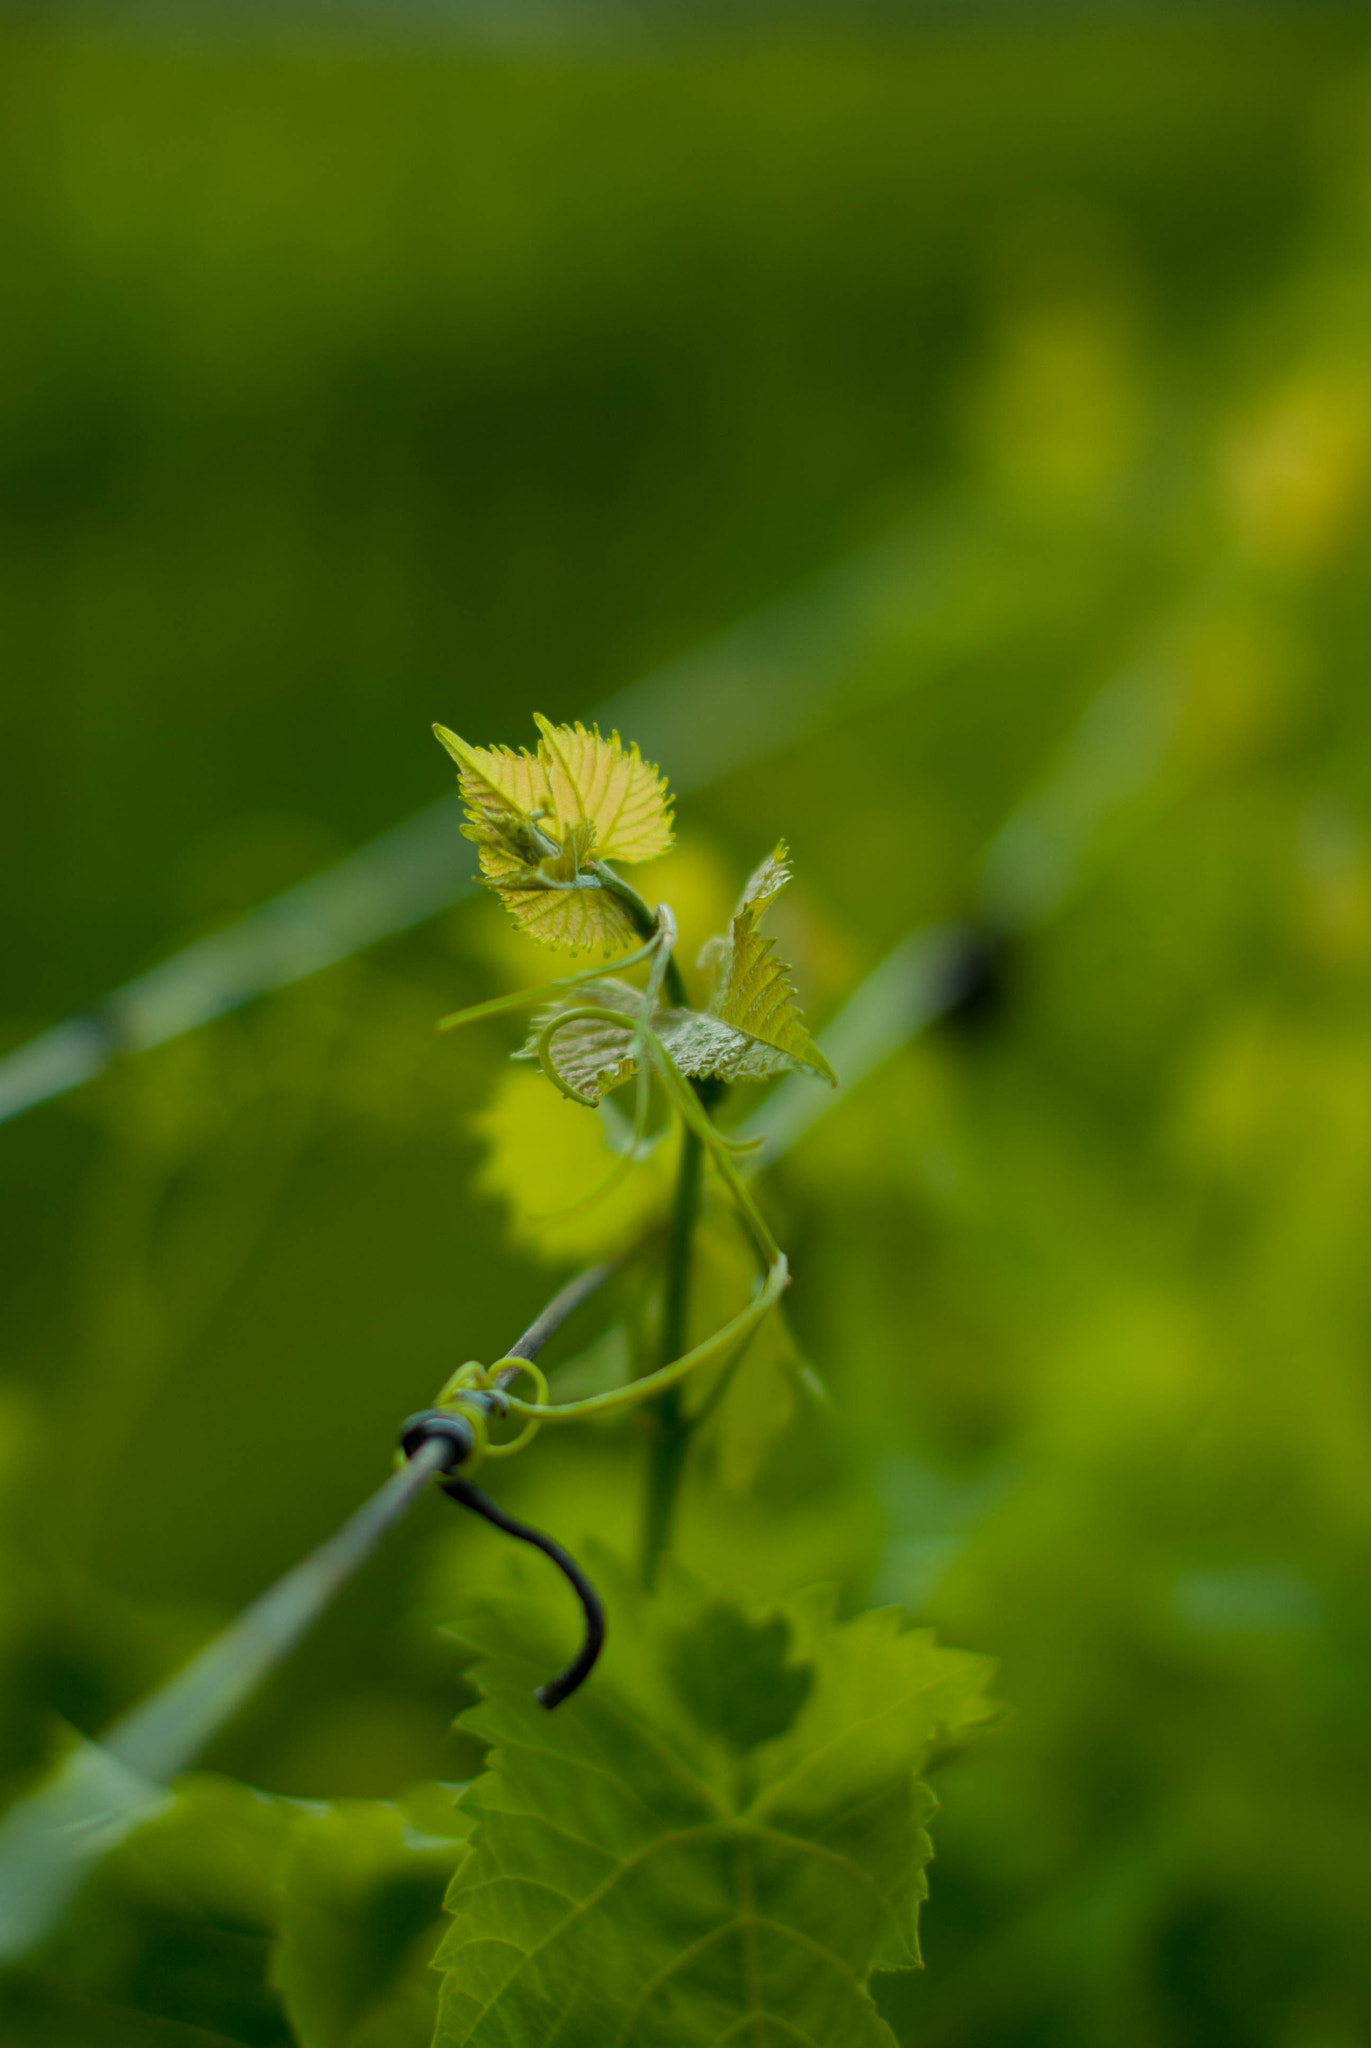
(445, 1426)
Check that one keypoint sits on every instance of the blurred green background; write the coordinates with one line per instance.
(346, 384)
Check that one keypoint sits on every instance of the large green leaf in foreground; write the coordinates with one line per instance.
(717, 1840)
(234, 1919)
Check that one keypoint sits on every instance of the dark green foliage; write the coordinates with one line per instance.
(358, 1895)
(672, 1860)
(737, 1677)
(260, 1922)
(173, 1935)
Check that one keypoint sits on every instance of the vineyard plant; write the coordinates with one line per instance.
(813, 1155)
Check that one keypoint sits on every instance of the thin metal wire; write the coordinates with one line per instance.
(161, 1736)
(103, 1790)
(562, 1305)
(583, 1663)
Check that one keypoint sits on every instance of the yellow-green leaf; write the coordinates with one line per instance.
(543, 822)
(551, 904)
(753, 993)
(547, 1160)
(612, 789)
(496, 781)
(591, 1054)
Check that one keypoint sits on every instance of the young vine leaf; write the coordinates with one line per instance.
(720, 1840)
(593, 1054)
(753, 995)
(544, 823)
(596, 782)
(751, 1030)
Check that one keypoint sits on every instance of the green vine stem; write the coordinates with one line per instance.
(775, 1268)
(647, 923)
(669, 1425)
(658, 1392)
(497, 1006)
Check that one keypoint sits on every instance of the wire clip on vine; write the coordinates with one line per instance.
(462, 1435)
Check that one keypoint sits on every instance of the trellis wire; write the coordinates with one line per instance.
(102, 1791)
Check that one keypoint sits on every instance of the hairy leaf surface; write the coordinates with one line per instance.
(611, 788)
(753, 992)
(592, 1055)
(542, 822)
(718, 1840)
(752, 1030)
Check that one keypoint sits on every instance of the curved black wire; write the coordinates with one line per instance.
(451, 1429)
(583, 1663)
(454, 1433)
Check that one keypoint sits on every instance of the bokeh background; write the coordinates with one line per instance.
(360, 372)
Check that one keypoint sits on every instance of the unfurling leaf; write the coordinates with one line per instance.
(719, 1839)
(753, 993)
(543, 823)
(752, 1029)
(596, 782)
(591, 1054)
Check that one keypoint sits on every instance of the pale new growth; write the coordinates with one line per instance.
(544, 822)
(751, 1030)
